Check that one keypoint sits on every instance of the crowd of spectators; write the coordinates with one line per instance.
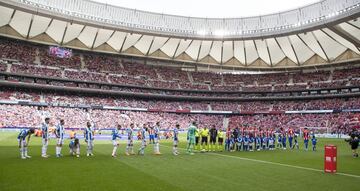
(17, 50)
(32, 116)
(330, 123)
(103, 63)
(35, 70)
(111, 68)
(263, 106)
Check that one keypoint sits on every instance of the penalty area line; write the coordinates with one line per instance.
(275, 163)
(281, 164)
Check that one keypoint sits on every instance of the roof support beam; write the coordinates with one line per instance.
(244, 53)
(122, 45)
(353, 25)
(198, 54)
(137, 41)
(152, 41)
(50, 25)
(176, 49)
(280, 47)
(167, 40)
(341, 32)
(112, 34)
(268, 51)
(97, 32)
(292, 47)
(63, 36)
(222, 52)
(322, 49)
(12, 16)
(31, 22)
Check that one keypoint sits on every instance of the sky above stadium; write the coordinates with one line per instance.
(212, 8)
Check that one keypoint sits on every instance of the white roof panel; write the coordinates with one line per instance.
(87, 36)
(286, 47)
(157, 44)
(275, 51)
(182, 46)
(131, 40)
(251, 52)
(341, 40)
(144, 44)
(312, 43)
(332, 48)
(239, 52)
(39, 25)
(228, 51)
(262, 51)
(102, 36)
(72, 32)
(170, 47)
(355, 32)
(193, 49)
(56, 30)
(205, 49)
(215, 51)
(21, 22)
(117, 40)
(303, 52)
(5, 15)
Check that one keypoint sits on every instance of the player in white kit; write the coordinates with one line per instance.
(157, 139)
(45, 137)
(23, 142)
(130, 143)
(60, 132)
(143, 130)
(89, 138)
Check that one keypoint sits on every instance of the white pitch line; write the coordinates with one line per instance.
(275, 163)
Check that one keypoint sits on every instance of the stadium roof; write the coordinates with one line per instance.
(320, 33)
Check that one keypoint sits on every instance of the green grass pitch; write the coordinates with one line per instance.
(265, 170)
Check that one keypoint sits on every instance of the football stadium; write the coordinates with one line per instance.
(179, 95)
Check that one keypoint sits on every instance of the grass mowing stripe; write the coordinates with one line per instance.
(275, 163)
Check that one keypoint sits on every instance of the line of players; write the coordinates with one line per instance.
(236, 139)
(250, 139)
(74, 145)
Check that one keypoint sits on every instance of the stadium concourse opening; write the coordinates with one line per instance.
(97, 96)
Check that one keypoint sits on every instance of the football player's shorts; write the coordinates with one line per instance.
(220, 140)
(60, 141)
(204, 139)
(115, 142)
(197, 140)
(212, 139)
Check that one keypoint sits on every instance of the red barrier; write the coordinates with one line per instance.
(330, 159)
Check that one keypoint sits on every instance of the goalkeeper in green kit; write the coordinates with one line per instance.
(191, 137)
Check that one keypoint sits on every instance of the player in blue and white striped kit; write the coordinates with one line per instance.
(23, 143)
(60, 132)
(45, 137)
(176, 140)
(143, 130)
(157, 139)
(130, 143)
(115, 134)
(89, 138)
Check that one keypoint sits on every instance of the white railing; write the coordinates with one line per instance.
(136, 20)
